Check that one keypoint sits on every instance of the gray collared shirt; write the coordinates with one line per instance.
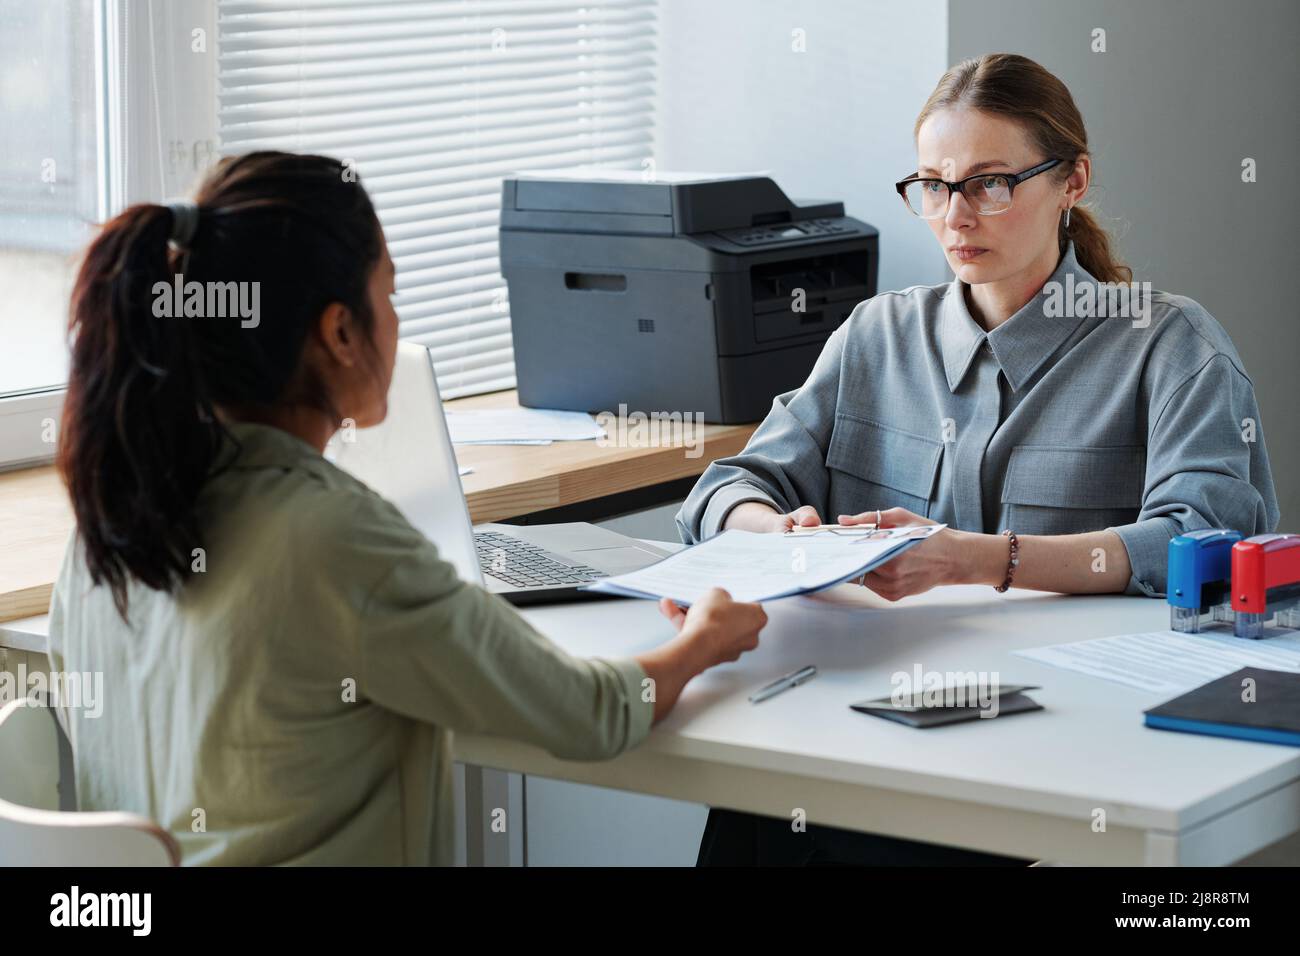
(1059, 421)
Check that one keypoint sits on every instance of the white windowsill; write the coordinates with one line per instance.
(26, 421)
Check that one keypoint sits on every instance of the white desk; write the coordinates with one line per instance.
(1026, 785)
(25, 634)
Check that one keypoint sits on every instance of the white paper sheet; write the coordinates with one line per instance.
(1170, 662)
(763, 567)
(521, 426)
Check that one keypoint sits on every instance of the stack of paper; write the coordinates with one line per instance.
(764, 567)
(521, 426)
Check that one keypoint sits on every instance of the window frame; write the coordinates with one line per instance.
(23, 416)
(130, 159)
(125, 171)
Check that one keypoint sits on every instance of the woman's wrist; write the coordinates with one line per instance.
(670, 667)
(981, 558)
(688, 654)
(752, 516)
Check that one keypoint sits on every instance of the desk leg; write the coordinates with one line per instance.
(1161, 850)
(494, 817)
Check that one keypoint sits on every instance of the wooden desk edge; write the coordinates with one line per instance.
(623, 471)
(598, 479)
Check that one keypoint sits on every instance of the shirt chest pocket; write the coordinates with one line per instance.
(873, 466)
(1051, 490)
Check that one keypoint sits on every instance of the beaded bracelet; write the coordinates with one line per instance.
(1013, 562)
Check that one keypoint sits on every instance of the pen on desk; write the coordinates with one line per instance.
(783, 683)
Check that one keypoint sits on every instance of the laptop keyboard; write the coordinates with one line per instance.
(525, 565)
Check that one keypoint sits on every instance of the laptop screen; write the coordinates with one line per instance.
(408, 458)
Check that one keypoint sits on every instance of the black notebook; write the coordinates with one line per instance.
(915, 711)
(1249, 704)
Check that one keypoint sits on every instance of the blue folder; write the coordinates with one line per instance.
(1248, 704)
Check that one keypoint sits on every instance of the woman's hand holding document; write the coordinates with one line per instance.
(763, 567)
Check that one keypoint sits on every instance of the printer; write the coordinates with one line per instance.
(705, 296)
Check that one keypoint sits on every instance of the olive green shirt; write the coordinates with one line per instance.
(294, 702)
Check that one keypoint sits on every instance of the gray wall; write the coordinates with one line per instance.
(834, 121)
(1185, 90)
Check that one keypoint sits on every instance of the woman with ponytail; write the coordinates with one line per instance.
(1063, 421)
(284, 656)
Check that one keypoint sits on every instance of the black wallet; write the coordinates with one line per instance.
(914, 711)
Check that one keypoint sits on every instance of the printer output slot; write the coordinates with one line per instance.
(595, 282)
(772, 285)
(832, 285)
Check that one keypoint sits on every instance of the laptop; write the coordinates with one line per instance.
(409, 459)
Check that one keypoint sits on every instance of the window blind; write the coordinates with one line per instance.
(434, 101)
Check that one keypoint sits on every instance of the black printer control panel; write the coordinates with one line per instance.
(788, 231)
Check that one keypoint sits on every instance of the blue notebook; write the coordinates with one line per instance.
(1248, 704)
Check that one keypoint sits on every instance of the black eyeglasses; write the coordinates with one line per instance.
(989, 193)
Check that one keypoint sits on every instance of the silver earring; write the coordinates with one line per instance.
(1067, 218)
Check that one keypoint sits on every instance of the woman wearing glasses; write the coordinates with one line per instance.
(1063, 422)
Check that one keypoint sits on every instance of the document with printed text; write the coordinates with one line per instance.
(765, 567)
(1170, 662)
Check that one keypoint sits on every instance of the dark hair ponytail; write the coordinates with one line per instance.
(140, 433)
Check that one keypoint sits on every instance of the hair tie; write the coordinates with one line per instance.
(185, 222)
